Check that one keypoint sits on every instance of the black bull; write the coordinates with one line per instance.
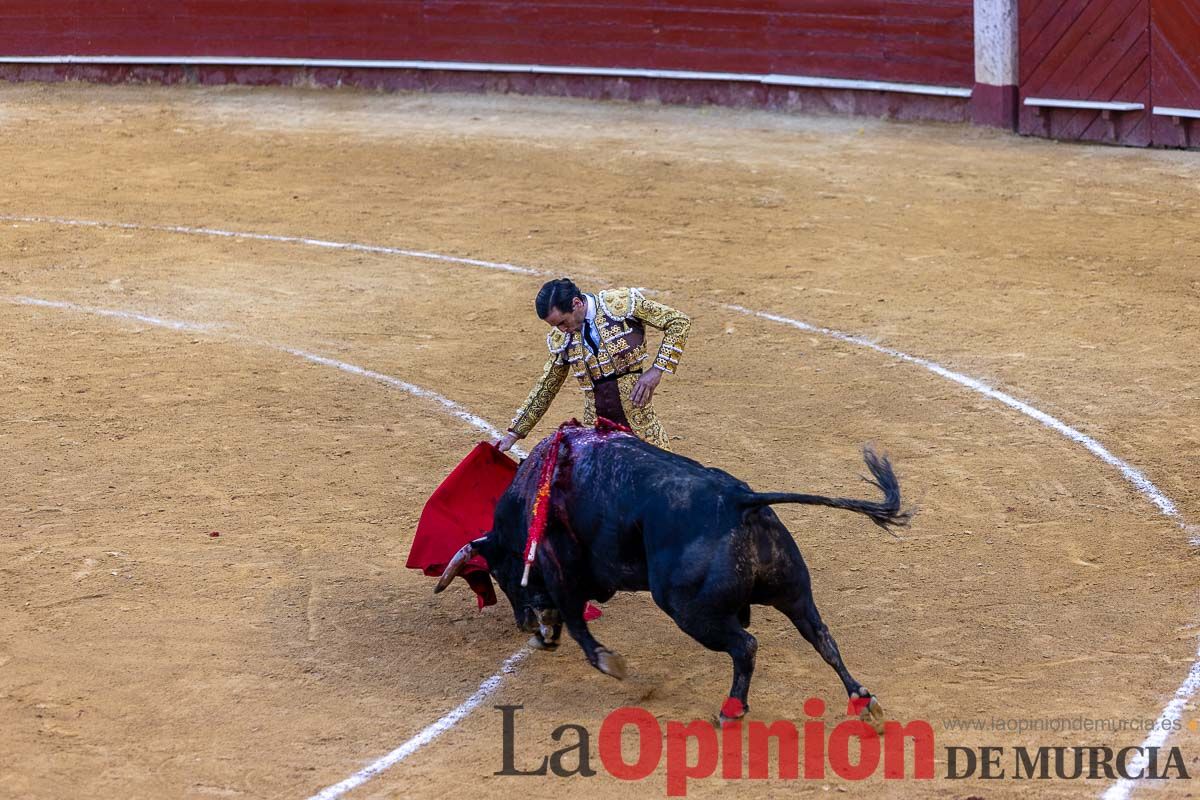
(628, 516)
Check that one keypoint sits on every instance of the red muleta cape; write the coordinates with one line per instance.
(461, 510)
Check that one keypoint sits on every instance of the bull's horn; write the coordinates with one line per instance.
(455, 566)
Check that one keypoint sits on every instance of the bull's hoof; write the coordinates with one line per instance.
(538, 643)
(611, 663)
(732, 711)
(872, 712)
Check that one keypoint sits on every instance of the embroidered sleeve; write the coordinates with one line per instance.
(547, 386)
(674, 324)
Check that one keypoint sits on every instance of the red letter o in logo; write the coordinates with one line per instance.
(839, 750)
(649, 743)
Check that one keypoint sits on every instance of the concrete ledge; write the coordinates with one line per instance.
(734, 90)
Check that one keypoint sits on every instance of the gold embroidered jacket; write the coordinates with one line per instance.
(621, 317)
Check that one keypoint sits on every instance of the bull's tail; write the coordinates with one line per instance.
(885, 513)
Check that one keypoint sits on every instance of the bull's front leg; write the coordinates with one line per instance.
(570, 597)
(572, 605)
(598, 655)
(549, 631)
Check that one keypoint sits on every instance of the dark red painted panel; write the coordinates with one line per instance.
(1175, 69)
(1145, 51)
(922, 41)
(1085, 50)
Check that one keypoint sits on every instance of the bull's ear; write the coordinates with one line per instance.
(455, 566)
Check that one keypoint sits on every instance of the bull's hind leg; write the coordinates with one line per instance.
(804, 615)
(726, 635)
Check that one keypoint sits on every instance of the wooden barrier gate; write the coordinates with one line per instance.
(1123, 71)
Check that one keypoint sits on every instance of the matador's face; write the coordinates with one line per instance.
(568, 322)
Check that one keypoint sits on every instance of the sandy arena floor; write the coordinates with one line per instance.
(141, 657)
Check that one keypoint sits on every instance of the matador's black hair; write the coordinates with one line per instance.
(556, 294)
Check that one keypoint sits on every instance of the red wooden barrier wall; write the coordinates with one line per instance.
(1086, 50)
(1139, 51)
(918, 41)
(1175, 69)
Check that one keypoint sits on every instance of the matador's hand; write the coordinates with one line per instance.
(643, 390)
(508, 441)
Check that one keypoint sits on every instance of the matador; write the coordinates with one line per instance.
(601, 339)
